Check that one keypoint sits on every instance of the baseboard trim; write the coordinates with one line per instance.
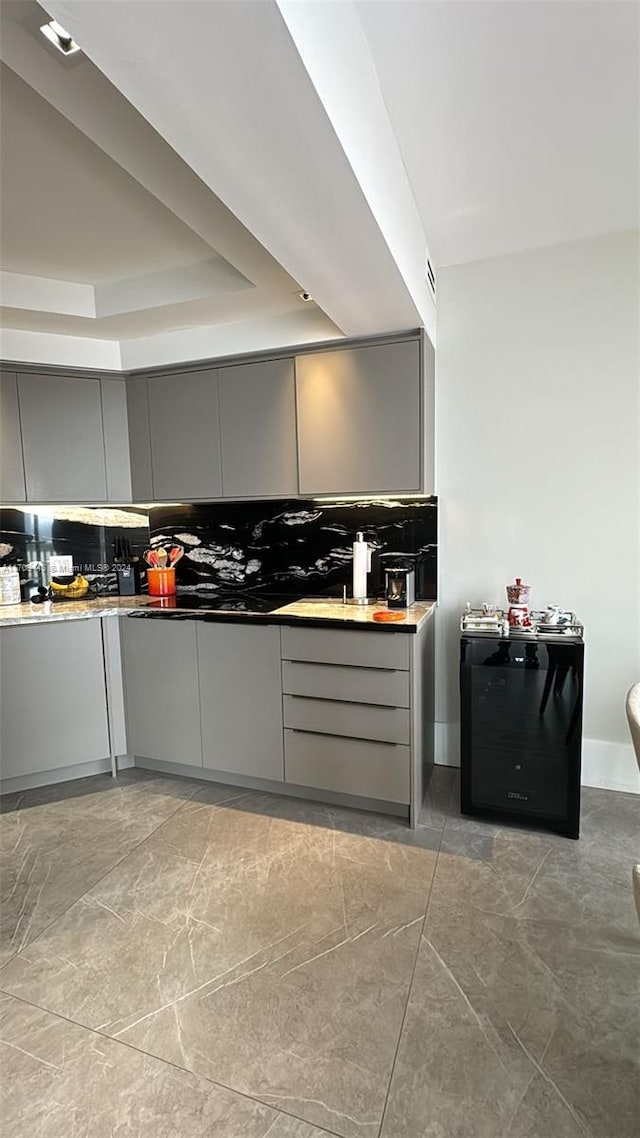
(287, 789)
(611, 766)
(607, 765)
(447, 744)
(49, 778)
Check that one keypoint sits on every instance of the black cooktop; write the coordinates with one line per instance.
(225, 602)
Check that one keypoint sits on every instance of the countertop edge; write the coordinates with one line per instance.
(141, 610)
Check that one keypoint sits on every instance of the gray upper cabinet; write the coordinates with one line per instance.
(12, 485)
(116, 440)
(258, 429)
(185, 435)
(62, 438)
(241, 699)
(360, 413)
(139, 440)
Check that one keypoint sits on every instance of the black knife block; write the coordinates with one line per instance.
(128, 578)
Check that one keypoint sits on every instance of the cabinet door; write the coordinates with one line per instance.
(139, 440)
(360, 419)
(161, 690)
(116, 439)
(12, 487)
(241, 700)
(54, 704)
(185, 435)
(62, 438)
(258, 429)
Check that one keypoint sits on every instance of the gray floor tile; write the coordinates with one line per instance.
(275, 947)
(62, 1081)
(522, 1018)
(56, 842)
(305, 935)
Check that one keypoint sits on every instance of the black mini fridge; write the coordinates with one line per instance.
(521, 729)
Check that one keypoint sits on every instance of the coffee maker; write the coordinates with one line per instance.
(400, 584)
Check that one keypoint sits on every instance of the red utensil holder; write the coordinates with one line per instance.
(162, 582)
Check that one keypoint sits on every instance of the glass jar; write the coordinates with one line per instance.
(9, 585)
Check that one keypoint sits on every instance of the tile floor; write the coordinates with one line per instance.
(191, 961)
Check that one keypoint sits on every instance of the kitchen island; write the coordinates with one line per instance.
(313, 698)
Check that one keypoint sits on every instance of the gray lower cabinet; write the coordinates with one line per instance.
(161, 690)
(62, 438)
(240, 699)
(348, 766)
(53, 697)
(384, 686)
(12, 485)
(383, 650)
(348, 712)
(360, 419)
(354, 720)
(184, 427)
(258, 429)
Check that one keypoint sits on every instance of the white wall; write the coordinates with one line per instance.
(537, 429)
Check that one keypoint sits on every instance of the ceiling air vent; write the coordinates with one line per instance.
(431, 279)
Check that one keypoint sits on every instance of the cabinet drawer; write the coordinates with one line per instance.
(338, 681)
(347, 766)
(338, 646)
(358, 720)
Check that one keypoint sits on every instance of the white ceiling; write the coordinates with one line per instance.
(106, 235)
(68, 211)
(517, 121)
(243, 112)
(171, 189)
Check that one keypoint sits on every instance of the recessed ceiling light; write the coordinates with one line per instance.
(306, 296)
(59, 38)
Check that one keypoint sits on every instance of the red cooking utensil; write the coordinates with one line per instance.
(151, 558)
(175, 553)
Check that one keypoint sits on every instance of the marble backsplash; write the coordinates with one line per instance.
(30, 536)
(296, 546)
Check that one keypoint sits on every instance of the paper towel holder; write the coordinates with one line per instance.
(362, 551)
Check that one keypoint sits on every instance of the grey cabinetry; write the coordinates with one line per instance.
(139, 440)
(161, 690)
(116, 442)
(62, 438)
(258, 429)
(185, 435)
(54, 703)
(347, 713)
(360, 419)
(12, 485)
(240, 697)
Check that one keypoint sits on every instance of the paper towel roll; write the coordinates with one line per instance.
(361, 564)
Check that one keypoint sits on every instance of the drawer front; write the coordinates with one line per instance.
(337, 681)
(347, 766)
(357, 720)
(338, 646)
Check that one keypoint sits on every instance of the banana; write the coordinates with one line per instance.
(77, 588)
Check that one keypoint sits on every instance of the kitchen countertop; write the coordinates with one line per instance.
(315, 612)
(322, 611)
